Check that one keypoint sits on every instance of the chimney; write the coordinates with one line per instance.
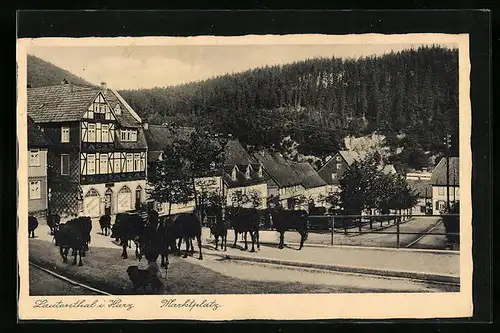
(104, 86)
(145, 123)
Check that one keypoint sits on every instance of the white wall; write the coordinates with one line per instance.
(439, 194)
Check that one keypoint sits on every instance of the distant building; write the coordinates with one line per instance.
(423, 189)
(422, 175)
(334, 168)
(388, 169)
(98, 158)
(38, 143)
(283, 182)
(438, 182)
(314, 186)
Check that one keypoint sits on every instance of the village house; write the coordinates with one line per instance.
(97, 164)
(283, 183)
(423, 189)
(38, 143)
(314, 186)
(243, 174)
(438, 183)
(334, 168)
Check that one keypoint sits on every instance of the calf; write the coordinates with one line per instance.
(105, 223)
(219, 229)
(53, 221)
(284, 220)
(245, 220)
(32, 225)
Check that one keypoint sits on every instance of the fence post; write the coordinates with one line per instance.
(397, 233)
(333, 226)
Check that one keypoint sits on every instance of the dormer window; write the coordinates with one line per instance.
(118, 110)
(128, 135)
(64, 134)
(260, 172)
(233, 174)
(247, 173)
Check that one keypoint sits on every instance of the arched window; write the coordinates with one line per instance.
(124, 199)
(92, 193)
(138, 197)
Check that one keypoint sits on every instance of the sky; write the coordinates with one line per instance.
(136, 67)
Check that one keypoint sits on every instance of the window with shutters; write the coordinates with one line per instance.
(91, 133)
(116, 163)
(65, 164)
(137, 162)
(34, 157)
(339, 165)
(130, 162)
(103, 168)
(90, 164)
(105, 133)
(64, 134)
(35, 190)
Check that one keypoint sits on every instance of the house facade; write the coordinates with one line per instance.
(283, 182)
(314, 186)
(38, 145)
(97, 164)
(243, 174)
(335, 167)
(438, 183)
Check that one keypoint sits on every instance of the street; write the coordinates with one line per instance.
(43, 283)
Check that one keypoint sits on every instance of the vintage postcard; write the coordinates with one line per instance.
(252, 177)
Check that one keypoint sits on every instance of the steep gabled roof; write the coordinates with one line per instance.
(421, 187)
(388, 169)
(309, 176)
(438, 177)
(67, 102)
(59, 103)
(278, 169)
(36, 137)
(235, 153)
(158, 137)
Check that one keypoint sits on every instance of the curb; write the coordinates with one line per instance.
(357, 247)
(430, 277)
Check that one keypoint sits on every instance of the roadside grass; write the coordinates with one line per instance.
(103, 268)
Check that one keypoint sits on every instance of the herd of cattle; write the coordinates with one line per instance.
(156, 236)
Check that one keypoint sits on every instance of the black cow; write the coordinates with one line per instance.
(128, 227)
(32, 225)
(74, 235)
(53, 221)
(190, 227)
(105, 223)
(284, 220)
(218, 228)
(245, 220)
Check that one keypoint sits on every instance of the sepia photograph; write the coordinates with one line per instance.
(173, 168)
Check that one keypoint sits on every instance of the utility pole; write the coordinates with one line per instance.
(447, 142)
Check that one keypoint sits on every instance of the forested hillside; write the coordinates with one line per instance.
(42, 73)
(411, 97)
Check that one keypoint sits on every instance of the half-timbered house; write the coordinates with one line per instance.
(38, 144)
(97, 164)
(334, 167)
